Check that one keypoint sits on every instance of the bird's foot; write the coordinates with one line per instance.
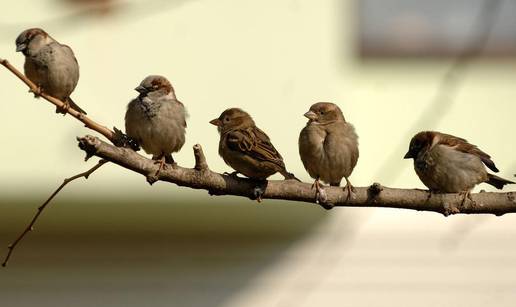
(351, 191)
(160, 161)
(232, 174)
(64, 109)
(259, 189)
(258, 193)
(170, 161)
(162, 165)
(466, 195)
(430, 194)
(321, 197)
(37, 93)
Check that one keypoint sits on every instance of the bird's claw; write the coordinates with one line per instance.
(63, 109)
(351, 191)
(321, 197)
(430, 193)
(232, 174)
(466, 195)
(37, 93)
(162, 165)
(258, 193)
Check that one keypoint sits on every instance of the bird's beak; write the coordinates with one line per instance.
(311, 115)
(141, 89)
(216, 122)
(21, 47)
(408, 155)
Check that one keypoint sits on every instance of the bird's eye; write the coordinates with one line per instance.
(321, 112)
(417, 146)
(226, 119)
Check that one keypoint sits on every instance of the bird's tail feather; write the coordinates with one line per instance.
(74, 106)
(289, 176)
(497, 182)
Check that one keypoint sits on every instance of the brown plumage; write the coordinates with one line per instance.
(50, 65)
(156, 120)
(328, 145)
(246, 148)
(449, 164)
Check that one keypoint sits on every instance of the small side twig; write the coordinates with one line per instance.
(377, 196)
(30, 227)
(200, 159)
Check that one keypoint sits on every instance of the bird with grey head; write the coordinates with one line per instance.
(449, 164)
(50, 65)
(328, 146)
(156, 120)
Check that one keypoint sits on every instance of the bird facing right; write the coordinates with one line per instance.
(449, 164)
(328, 146)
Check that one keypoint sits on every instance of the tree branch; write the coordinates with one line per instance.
(88, 122)
(201, 177)
(30, 227)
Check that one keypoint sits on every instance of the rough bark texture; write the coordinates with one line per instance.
(201, 177)
(88, 122)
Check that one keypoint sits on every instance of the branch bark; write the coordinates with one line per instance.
(201, 177)
(30, 226)
(88, 122)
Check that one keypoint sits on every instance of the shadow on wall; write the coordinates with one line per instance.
(147, 251)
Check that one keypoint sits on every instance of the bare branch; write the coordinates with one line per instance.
(373, 196)
(200, 159)
(30, 227)
(201, 177)
(88, 122)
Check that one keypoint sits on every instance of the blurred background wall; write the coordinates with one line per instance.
(115, 241)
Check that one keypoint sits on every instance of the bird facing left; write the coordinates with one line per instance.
(156, 120)
(50, 65)
(246, 148)
(450, 164)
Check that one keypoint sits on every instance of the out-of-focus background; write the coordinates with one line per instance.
(393, 66)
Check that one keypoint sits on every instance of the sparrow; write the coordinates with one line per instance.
(50, 65)
(449, 164)
(156, 120)
(328, 146)
(246, 148)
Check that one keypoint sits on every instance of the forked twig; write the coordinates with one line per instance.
(30, 227)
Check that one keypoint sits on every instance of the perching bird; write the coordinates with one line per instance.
(50, 65)
(328, 146)
(156, 120)
(246, 148)
(449, 164)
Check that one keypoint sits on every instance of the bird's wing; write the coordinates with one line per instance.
(185, 112)
(255, 143)
(66, 49)
(462, 145)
